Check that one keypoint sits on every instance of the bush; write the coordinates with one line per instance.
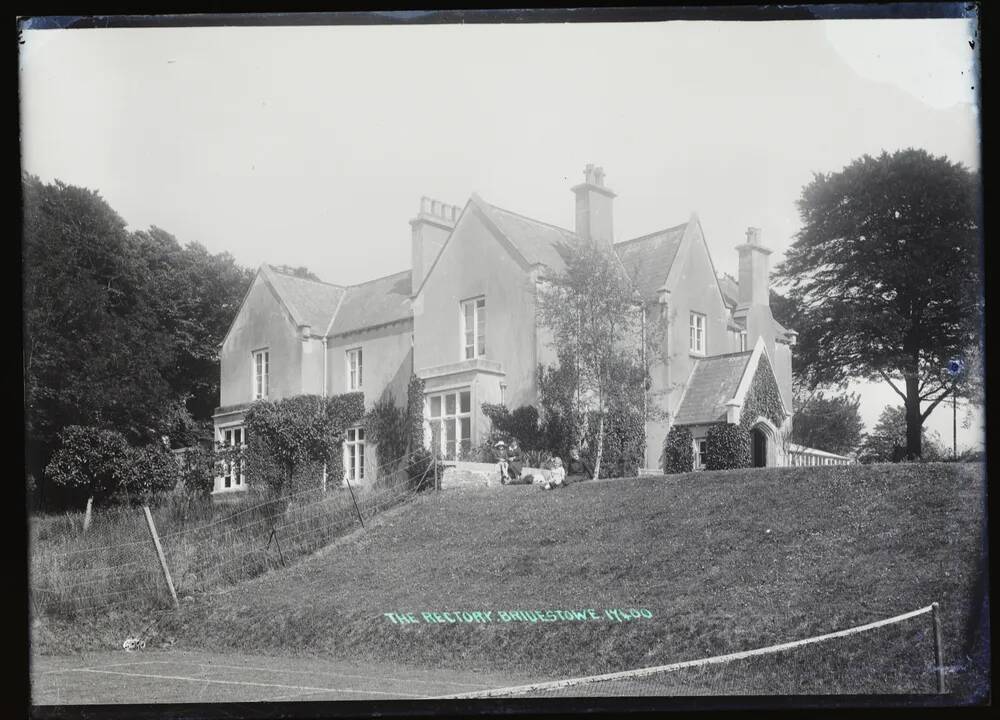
(624, 442)
(678, 451)
(198, 471)
(89, 462)
(727, 447)
(149, 471)
(521, 424)
(388, 427)
(420, 469)
(415, 412)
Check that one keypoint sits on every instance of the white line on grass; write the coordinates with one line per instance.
(333, 674)
(304, 688)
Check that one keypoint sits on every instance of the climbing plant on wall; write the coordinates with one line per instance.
(763, 399)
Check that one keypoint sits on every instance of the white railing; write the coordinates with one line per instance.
(800, 456)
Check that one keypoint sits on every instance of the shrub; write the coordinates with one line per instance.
(537, 458)
(389, 428)
(420, 468)
(148, 471)
(198, 471)
(678, 451)
(727, 447)
(415, 412)
(521, 424)
(624, 442)
(89, 461)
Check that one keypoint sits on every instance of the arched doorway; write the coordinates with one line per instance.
(758, 447)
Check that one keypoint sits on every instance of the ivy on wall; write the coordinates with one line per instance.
(415, 412)
(727, 447)
(763, 398)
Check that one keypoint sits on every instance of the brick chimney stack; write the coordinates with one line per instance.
(594, 207)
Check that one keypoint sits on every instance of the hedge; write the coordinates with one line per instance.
(727, 447)
(678, 451)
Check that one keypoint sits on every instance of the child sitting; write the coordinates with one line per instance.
(556, 477)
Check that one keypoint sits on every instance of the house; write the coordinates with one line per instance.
(463, 319)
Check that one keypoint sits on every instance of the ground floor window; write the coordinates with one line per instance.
(232, 438)
(354, 454)
(450, 415)
(699, 453)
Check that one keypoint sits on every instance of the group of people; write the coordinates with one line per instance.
(511, 468)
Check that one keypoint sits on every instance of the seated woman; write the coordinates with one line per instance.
(515, 466)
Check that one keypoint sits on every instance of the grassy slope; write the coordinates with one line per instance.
(847, 545)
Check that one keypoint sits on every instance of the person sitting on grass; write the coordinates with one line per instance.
(515, 466)
(500, 453)
(556, 476)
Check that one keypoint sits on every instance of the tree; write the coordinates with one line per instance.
(826, 423)
(888, 438)
(886, 273)
(89, 461)
(597, 323)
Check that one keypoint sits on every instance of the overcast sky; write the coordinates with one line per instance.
(312, 146)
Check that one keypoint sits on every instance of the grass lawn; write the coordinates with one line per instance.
(724, 561)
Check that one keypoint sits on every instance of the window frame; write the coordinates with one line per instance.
(479, 324)
(227, 438)
(700, 445)
(350, 354)
(743, 340)
(354, 454)
(461, 444)
(697, 322)
(262, 391)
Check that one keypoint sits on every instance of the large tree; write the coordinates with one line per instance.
(597, 324)
(121, 329)
(832, 423)
(886, 274)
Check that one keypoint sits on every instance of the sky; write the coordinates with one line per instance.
(313, 145)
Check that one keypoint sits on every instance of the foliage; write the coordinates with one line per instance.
(562, 419)
(597, 323)
(624, 445)
(887, 276)
(415, 412)
(421, 467)
(832, 423)
(99, 463)
(537, 458)
(727, 447)
(887, 441)
(148, 471)
(89, 461)
(285, 435)
(121, 328)
(678, 451)
(763, 399)
(388, 427)
(198, 468)
(520, 424)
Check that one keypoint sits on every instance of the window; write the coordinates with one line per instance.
(451, 423)
(743, 341)
(697, 333)
(474, 328)
(354, 454)
(699, 454)
(354, 369)
(232, 468)
(261, 363)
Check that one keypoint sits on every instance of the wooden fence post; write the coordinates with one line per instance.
(938, 649)
(159, 554)
(86, 517)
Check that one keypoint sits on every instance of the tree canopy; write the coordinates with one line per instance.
(121, 328)
(887, 439)
(831, 423)
(886, 277)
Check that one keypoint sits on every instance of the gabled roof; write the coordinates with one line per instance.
(714, 381)
(376, 302)
(648, 259)
(309, 302)
(730, 289)
(539, 243)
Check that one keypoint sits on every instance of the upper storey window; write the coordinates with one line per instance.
(697, 334)
(261, 367)
(474, 328)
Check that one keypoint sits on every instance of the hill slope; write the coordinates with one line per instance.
(723, 561)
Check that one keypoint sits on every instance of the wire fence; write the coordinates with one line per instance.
(115, 564)
(901, 654)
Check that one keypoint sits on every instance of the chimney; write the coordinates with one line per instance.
(593, 207)
(754, 281)
(429, 229)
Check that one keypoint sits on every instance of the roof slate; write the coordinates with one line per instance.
(713, 382)
(376, 302)
(310, 302)
(648, 259)
(538, 242)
